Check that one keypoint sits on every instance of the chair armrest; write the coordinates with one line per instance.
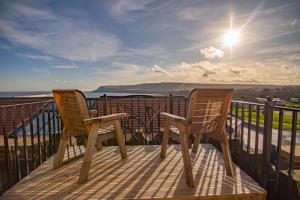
(175, 119)
(105, 118)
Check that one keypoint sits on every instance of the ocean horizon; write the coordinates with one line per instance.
(88, 94)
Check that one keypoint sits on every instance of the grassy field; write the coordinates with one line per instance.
(294, 105)
(287, 119)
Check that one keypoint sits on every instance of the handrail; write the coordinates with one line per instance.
(247, 102)
(287, 108)
(24, 104)
(150, 96)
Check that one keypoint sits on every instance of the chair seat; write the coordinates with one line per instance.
(106, 133)
(106, 130)
(174, 130)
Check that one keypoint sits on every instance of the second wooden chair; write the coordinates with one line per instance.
(207, 110)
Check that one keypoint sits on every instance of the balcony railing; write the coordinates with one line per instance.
(263, 137)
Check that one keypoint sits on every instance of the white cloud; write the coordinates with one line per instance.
(211, 53)
(65, 67)
(120, 8)
(58, 36)
(160, 70)
(209, 72)
(294, 22)
(190, 13)
(37, 57)
(151, 50)
(20, 9)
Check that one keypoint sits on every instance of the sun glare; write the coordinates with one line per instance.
(231, 38)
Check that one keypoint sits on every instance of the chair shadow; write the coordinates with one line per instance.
(142, 174)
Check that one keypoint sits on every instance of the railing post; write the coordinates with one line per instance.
(171, 104)
(6, 148)
(104, 104)
(267, 140)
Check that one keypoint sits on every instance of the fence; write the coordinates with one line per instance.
(262, 137)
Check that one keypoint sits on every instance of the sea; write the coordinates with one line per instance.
(88, 94)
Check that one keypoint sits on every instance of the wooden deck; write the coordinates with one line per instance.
(143, 175)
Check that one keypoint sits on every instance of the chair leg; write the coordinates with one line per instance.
(189, 139)
(186, 157)
(165, 141)
(196, 142)
(227, 157)
(85, 167)
(120, 138)
(59, 157)
(98, 144)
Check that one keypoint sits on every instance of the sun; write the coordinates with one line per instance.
(231, 38)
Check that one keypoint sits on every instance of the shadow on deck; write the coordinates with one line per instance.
(143, 175)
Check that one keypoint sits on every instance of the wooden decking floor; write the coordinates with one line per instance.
(143, 175)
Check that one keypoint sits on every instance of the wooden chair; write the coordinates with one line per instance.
(206, 115)
(77, 121)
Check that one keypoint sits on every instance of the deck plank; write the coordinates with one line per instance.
(143, 175)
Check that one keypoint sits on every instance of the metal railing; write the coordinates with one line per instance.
(258, 134)
(30, 135)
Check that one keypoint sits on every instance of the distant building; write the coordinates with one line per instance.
(279, 102)
(295, 100)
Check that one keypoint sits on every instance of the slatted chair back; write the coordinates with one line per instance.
(73, 109)
(207, 110)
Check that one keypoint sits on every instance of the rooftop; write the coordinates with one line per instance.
(143, 175)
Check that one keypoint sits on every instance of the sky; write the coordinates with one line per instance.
(86, 44)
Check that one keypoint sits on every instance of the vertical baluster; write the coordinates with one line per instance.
(166, 105)
(24, 142)
(166, 109)
(38, 135)
(178, 106)
(171, 104)
(61, 124)
(31, 137)
(242, 134)
(44, 132)
(185, 106)
(110, 106)
(97, 107)
(54, 127)
(104, 104)
(125, 123)
(257, 130)
(117, 100)
(138, 113)
(152, 119)
(145, 117)
(249, 137)
(6, 147)
(230, 124)
(158, 118)
(230, 128)
(49, 129)
(292, 154)
(131, 115)
(236, 130)
(58, 129)
(89, 104)
(17, 152)
(279, 141)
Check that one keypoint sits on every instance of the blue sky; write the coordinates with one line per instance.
(84, 44)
